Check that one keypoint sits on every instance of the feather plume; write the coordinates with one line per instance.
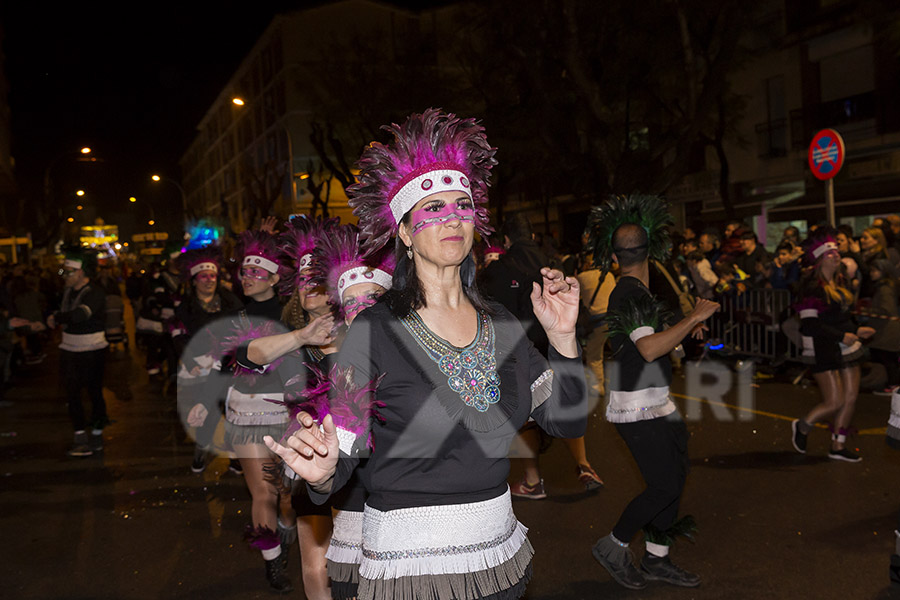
(422, 143)
(638, 311)
(191, 258)
(300, 237)
(650, 212)
(242, 332)
(685, 527)
(261, 537)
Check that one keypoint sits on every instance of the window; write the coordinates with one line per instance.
(771, 136)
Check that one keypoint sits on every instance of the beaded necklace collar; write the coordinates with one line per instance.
(471, 371)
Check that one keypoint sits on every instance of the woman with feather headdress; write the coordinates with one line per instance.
(455, 379)
(348, 283)
(831, 343)
(631, 230)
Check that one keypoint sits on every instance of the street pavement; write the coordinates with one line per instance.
(134, 522)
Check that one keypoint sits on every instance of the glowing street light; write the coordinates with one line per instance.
(132, 199)
(151, 222)
(71, 219)
(79, 193)
(85, 150)
(79, 207)
(238, 101)
(155, 177)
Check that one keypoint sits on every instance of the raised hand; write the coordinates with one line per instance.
(268, 225)
(311, 452)
(555, 302)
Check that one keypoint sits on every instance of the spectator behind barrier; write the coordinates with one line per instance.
(785, 267)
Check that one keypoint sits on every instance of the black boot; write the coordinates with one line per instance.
(276, 574)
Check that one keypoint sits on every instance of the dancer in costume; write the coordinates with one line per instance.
(306, 341)
(251, 408)
(631, 230)
(459, 379)
(831, 343)
(82, 356)
(351, 285)
(206, 301)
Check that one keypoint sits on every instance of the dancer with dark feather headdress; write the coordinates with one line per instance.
(631, 230)
(456, 378)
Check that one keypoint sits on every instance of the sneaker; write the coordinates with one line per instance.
(657, 568)
(532, 492)
(96, 442)
(619, 562)
(798, 438)
(80, 446)
(199, 463)
(588, 478)
(234, 465)
(888, 391)
(845, 455)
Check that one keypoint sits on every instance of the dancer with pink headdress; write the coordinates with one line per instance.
(832, 344)
(456, 378)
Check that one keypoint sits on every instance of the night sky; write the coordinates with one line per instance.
(131, 82)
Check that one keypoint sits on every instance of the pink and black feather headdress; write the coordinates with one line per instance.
(260, 249)
(300, 237)
(431, 152)
(193, 261)
(338, 264)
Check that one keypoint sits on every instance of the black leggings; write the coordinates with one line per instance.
(659, 446)
(84, 370)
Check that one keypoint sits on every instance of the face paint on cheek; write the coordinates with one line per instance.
(354, 306)
(424, 218)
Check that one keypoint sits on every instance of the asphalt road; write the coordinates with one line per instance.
(134, 522)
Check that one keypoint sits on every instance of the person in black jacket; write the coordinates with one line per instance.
(82, 316)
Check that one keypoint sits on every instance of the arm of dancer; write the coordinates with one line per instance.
(264, 350)
(558, 390)
(661, 343)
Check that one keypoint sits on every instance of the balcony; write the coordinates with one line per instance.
(854, 116)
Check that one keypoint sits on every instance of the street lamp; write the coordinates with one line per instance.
(278, 119)
(85, 150)
(157, 178)
(79, 193)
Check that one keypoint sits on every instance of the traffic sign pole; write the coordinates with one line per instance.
(826, 157)
(829, 202)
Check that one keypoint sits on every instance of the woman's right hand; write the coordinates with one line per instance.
(311, 452)
(865, 332)
(849, 339)
(317, 332)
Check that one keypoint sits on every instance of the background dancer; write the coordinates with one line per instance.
(631, 230)
(831, 342)
(82, 357)
(438, 523)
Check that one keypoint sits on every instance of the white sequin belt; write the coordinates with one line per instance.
(639, 405)
(455, 538)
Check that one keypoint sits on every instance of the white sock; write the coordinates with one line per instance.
(272, 553)
(657, 550)
(97, 431)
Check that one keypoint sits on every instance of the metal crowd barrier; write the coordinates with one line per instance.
(757, 323)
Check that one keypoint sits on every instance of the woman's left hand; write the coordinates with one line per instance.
(556, 302)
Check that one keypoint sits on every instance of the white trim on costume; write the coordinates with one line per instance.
(363, 274)
(204, 266)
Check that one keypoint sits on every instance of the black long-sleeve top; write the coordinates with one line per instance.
(433, 449)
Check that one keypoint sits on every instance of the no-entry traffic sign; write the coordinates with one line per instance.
(826, 154)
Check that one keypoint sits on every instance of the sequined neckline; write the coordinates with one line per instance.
(471, 371)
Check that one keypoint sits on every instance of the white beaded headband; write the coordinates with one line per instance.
(426, 184)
